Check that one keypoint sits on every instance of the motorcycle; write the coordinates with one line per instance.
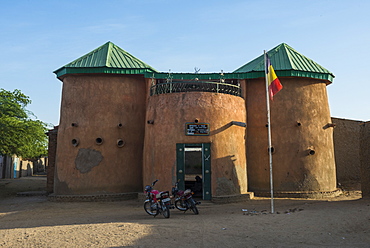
(157, 202)
(184, 199)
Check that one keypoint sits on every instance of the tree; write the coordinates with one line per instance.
(19, 133)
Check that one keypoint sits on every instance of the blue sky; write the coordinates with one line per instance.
(38, 37)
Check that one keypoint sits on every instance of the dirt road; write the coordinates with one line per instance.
(36, 222)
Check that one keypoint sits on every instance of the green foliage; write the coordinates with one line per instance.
(19, 134)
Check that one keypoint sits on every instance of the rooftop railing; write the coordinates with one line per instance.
(195, 86)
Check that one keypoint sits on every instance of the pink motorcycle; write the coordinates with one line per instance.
(184, 199)
(157, 202)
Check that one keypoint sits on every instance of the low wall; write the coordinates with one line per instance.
(15, 167)
(52, 148)
(365, 159)
(347, 135)
(352, 156)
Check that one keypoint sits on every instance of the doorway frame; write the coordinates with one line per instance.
(206, 167)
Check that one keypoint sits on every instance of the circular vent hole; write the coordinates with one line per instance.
(312, 152)
(272, 149)
(99, 141)
(120, 143)
(75, 142)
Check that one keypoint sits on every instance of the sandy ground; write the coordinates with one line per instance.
(34, 221)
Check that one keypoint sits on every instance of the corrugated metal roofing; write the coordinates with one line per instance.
(285, 58)
(107, 58)
(111, 59)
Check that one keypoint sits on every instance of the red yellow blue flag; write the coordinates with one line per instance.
(274, 85)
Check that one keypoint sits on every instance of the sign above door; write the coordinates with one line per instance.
(196, 129)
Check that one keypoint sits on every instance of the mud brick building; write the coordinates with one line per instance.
(123, 124)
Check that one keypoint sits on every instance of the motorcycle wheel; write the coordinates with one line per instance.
(180, 205)
(165, 211)
(193, 206)
(148, 209)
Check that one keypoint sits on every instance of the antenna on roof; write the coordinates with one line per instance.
(196, 70)
(153, 79)
(222, 79)
(169, 78)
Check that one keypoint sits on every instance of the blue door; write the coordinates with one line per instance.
(15, 163)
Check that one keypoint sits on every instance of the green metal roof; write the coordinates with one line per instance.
(111, 59)
(287, 62)
(107, 58)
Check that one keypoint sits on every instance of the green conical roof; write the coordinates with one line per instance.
(288, 62)
(107, 58)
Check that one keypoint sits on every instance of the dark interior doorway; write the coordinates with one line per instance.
(193, 170)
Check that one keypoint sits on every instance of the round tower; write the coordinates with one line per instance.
(302, 132)
(186, 118)
(101, 130)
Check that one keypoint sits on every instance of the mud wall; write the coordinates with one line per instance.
(347, 136)
(169, 113)
(302, 138)
(100, 136)
(52, 150)
(365, 160)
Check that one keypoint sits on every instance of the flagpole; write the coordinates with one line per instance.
(269, 135)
